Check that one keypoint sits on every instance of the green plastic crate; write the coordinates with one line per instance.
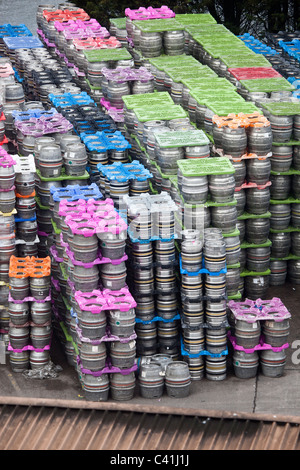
(206, 166)
(245, 273)
(286, 258)
(247, 215)
(158, 112)
(40, 205)
(209, 98)
(245, 245)
(209, 28)
(219, 41)
(215, 83)
(99, 55)
(210, 203)
(290, 229)
(119, 23)
(217, 52)
(182, 139)
(236, 296)
(158, 25)
(195, 19)
(290, 142)
(267, 84)
(63, 176)
(291, 171)
(282, 108)
(183, 65)
(223, 109)
(164, 60)
(147, 99)
(289, 200)
(179, 75)
(249, 59)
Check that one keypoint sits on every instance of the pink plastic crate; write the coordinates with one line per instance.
(6, 70)
(97, 43)
(149, 13)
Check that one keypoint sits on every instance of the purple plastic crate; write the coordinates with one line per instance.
(256, 310)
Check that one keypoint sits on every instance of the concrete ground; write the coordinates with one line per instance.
(261, 395)
(278, 396)
(17, 12)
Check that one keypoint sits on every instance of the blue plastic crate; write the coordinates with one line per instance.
(100, 140)
(204, 352)
(20, 219)
(70, 99)
(32, 113)
(119, 171)
(76, 192)
(14, 30)
(24, 42)
(296, 94)
(157, 318)
(203, 270)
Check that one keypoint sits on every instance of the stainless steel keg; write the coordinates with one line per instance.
(296, 186)
(151, 44)
(18, 312)
(278, 272)
(260, 138)
(257, 230)
(121, 323)
(224, 217)
(281, 186)
(234, 141)
(173, 42)
(221, 187)
(258, 171)
(191, 255)
(272, 362)
(295, 215)
(282, 157)
(245, 365)
(280, 216)
(256, 287)
(282, 127)
(50, 160)
(247, 334)
(257, 200)
(281, 244)
(258, 259)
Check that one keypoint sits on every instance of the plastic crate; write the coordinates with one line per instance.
(102, 55)
(181, 139)
(158, 25)
(124, 171)
(248, 73)
(144, 99)
(198, 19)
(109, 141)
(160, 113)
(205, 166)
(143, 13)
(71, 99)
(267, 84)
(244, 60)
(14, 30)
(282, 108)
(76, 192)
(28, 42)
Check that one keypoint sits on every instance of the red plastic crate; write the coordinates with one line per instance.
(248, 73)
